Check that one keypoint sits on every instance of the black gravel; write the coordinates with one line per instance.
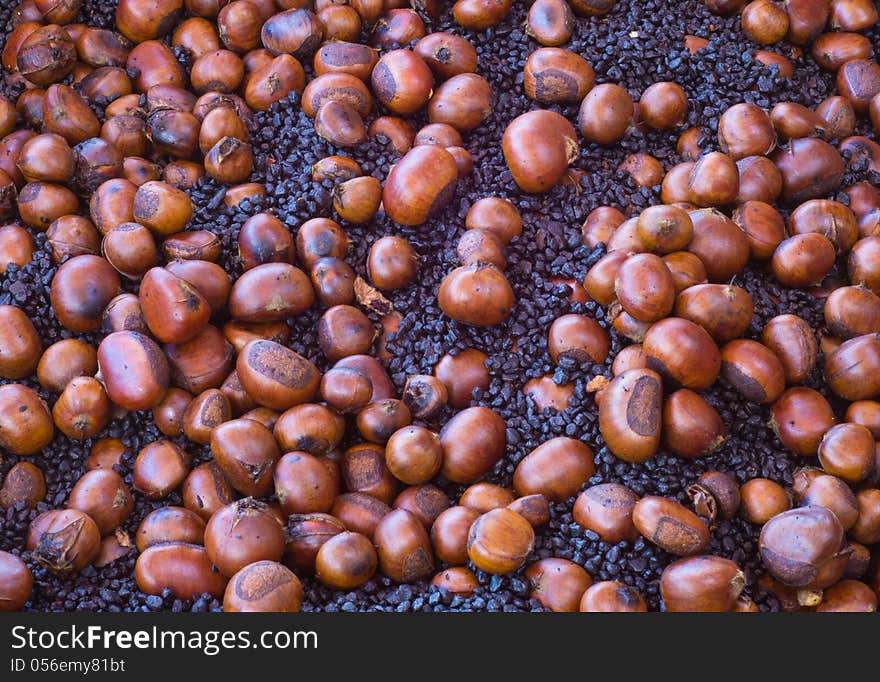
(639, 43)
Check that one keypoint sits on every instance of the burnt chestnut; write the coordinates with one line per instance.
(477, 294)
(241, 533)
(690, 427)
(556, 469)
(500, 541)
(630, 415)
(800, 417)
(461, 374)
(246, 453)
(538, 147)
(473, 441)
(605, 114)
(701, 584)
(670, 526)
(64, 541)
(804, 548)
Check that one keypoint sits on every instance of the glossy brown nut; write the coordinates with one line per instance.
(168, 414)
(241, 533)
(392, 263)
(218, 123)
(456, 580)
(670, 526)
(46, 55)
(204, 413)
(850, 369)
(413, 454)
(558, 584)
(464, 102)
(794, 343)
(424, 395)
(715, 495)
(762, 225)
(746, 130)
(556, 469)
(556, 75)
(359, 512)
(310, 428)
(20, 347)
(112, 204)
(866, 413)
(102, 494)
(861, 265)
(64, 541)
(382, 386)
(447, 55)
(363, 470)
(81, 289)
(852, 311)
(449, 534)
(670, 341)
(838, 115)
(404, 549)
(230, 160)
(263, 587)
(832, 493)
(461, 374)
(240, 333)
(398, 134)
(209, 278)
(346, 561)
(46, 158)
(500, 541)
(72, 235)
(160, 468)
(411, 195)
(610, 596)
(547, 394)
(859, 80)
(686, 268)
(866, 529)
(550, 22)
(496, 216)
(802, 547)
(848, 596)
(721, 245)
(246, 453)
(538, 147)
(484, 497)
(340, 124)
(295, 31)
(83, 409)
(344, 330)
(663, 105)
(380, 419)
(800, 417)
(16, 582)
(764, 21)
(829, 218)
(131, 249)
(713, 180)
(340, 56)
(140, 21)
(16, 247)
(24, 482)
(762, 499)
(477, 246)
(358, 199)
(270, 292)
(663, 229)
(690, 427)
(630, 414)
(701, 584)
(305, 535)
(600, 279)
(810, 168)
(478, 295)
(252, 191)
(644, 287)
(273, 82)
(164, 209)
(803, 260)
(173, 309)
(346, 390)
(238, 398)
(463, 461)
(206, 490)
(40, 203)
(183, 568)
(753, 370)
(847, 451)
(397, 27)
(806, 20)
(425, 502)
(852, 15)
(605, 114)
(264, 239)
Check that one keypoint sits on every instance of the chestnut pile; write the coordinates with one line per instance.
(334, 474)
